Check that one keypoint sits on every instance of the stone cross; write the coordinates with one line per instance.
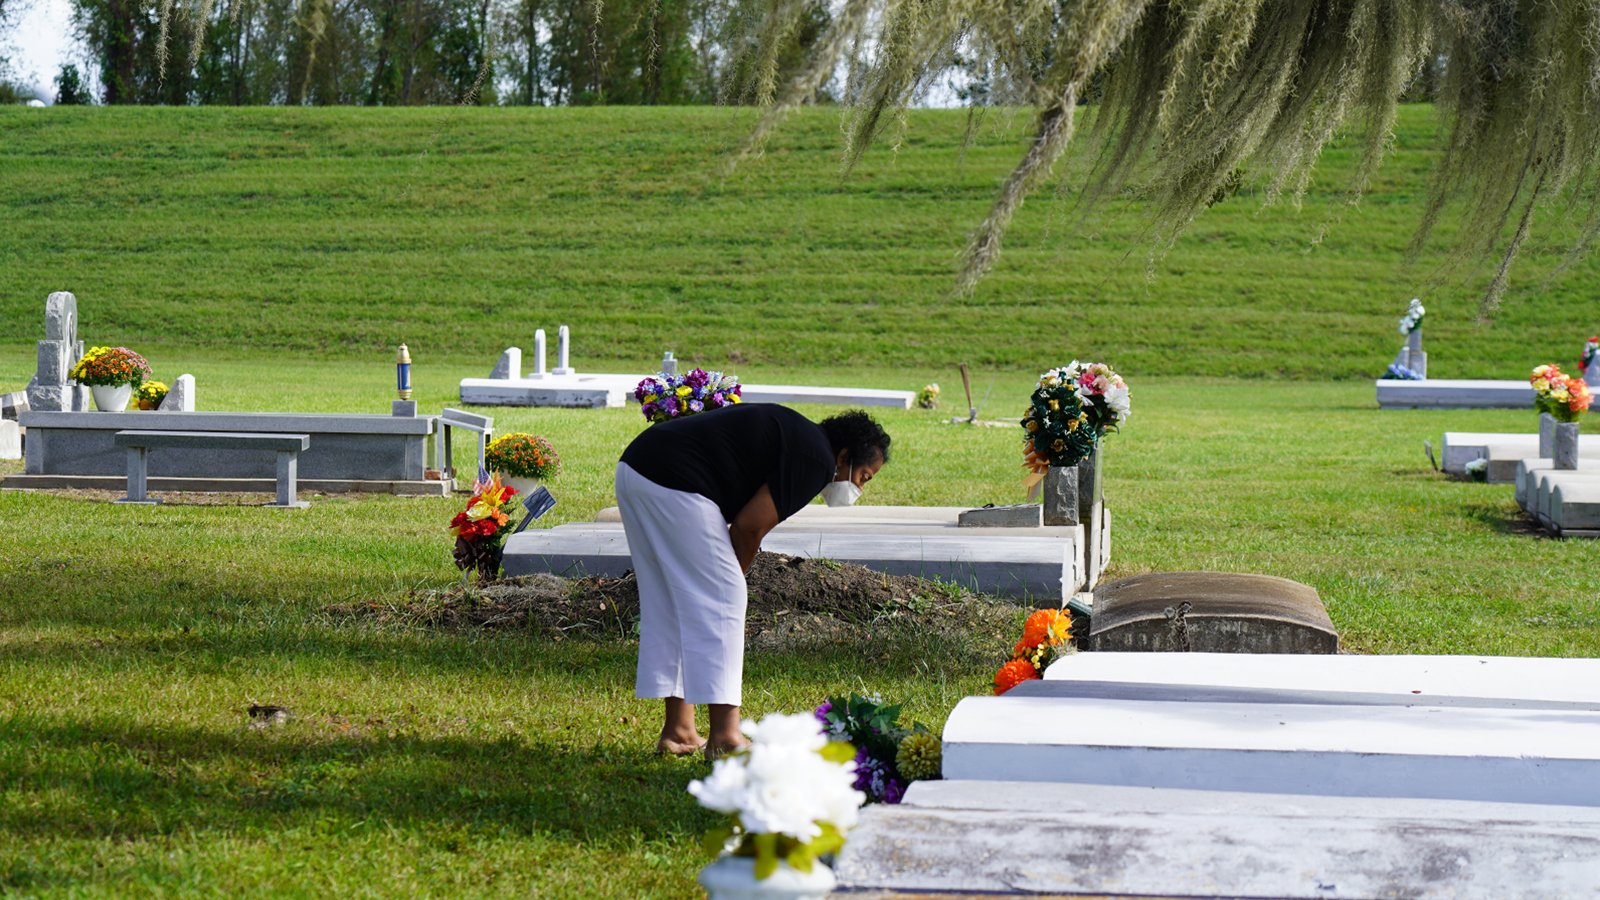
(563, 346)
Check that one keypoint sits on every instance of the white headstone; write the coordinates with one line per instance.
(10, 439)
(509, 366)
(669, 366)
(563, 346)
(1591, 372)
(180, 397)
(538, 354)
(51, 388)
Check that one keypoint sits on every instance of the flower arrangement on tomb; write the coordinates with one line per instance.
(1564, 397)
(662, 396)
(480, 529)
(111, 367)
(788, 794)
(889, 755)
(928, 397)
(150, 394)
(1045, 637)
(1071, 408)
(1412, 320)
(518, 454)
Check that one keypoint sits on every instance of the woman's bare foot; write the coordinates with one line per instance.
(677, 746)
(715, 750)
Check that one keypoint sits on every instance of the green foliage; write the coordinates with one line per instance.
(340, 233)
(1190, 92)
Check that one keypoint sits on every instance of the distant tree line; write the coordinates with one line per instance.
(421, 52)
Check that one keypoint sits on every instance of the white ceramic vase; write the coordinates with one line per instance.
(734, 878)
(524, 486)
(111, 398)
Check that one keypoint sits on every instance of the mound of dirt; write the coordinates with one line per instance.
(788, 595)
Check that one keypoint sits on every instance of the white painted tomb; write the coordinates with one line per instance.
(1445, 393)
(565, 387)
(1037, 564)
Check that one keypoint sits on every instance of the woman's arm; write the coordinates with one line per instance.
(758, 517)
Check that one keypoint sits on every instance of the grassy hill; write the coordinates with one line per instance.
(341, 232)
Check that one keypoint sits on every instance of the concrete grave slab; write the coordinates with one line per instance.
(1527, 467)
(1211, 612)
(1497, 680)
(1461, 447)
(1544, 484)
(1506, 755)
(13, 405)
(1093, 840)
(1033, 567)
(1575, 508)
(610, 391)
(1446, 393)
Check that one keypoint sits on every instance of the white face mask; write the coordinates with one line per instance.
(842, 493)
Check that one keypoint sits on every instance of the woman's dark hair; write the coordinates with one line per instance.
(863, 439)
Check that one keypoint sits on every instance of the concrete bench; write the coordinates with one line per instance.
(140, 443)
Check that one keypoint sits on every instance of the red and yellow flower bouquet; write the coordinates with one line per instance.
(481, 528)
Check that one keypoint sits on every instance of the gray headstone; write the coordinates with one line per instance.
(1564, 445)
(52, 397)
(61, 317)
(180, 397)
(1060, 495)
(509, 366)
(1211, 612)
(53, 367)
(78, 398)
(10, 439)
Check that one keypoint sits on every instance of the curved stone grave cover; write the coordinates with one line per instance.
(1210, 612)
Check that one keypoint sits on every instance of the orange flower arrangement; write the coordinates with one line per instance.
(1013, 673)
(1043, 635)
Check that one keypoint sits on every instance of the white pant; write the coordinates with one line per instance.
(691, 593)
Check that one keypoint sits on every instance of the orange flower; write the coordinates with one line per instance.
(1046, 626)
(1013, 673)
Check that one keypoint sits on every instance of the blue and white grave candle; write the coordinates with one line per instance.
(402, 373)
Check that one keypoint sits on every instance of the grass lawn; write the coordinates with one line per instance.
(279, 255)
(132, 640)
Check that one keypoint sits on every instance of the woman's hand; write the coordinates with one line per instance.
(758, 517)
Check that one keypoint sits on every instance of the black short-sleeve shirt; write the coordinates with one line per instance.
(727, 454)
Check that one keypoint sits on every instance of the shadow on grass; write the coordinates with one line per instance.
(104, 777)
(1505, 519)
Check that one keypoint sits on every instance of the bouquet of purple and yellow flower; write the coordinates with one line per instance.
(662, 396)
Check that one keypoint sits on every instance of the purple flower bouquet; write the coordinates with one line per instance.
(662, 397)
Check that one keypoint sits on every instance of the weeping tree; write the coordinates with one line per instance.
(1190, 93)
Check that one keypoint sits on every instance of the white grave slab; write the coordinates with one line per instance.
(1461, 447)
(1419, 679)
(1541, 495)
(1005, 564)
(1533, 755)
(993, 837)
(1444, 393)
(547, 391)
(1575, 509)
